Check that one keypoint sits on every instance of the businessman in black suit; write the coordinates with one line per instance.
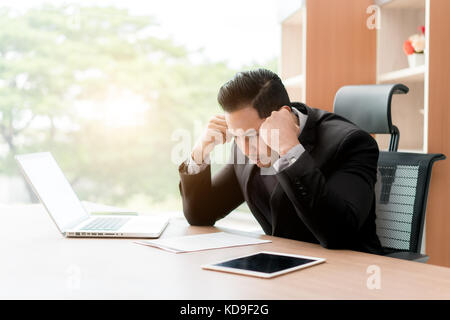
(306, 174)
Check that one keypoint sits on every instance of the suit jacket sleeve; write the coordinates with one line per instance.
(207, 200)
(334, 209)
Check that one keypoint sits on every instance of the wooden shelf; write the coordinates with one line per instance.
(297, 81)
(405, 4)
(295, 87)
(399, 20)
(411, 150)
(288, 9)
(416, 74)
(296, 18)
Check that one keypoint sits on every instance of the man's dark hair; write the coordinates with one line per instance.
(260, 88)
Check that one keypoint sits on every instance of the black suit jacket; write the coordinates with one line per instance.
(326, 196)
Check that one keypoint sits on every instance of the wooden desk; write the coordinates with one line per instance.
(37, 262)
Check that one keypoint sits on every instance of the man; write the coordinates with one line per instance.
(319, 189)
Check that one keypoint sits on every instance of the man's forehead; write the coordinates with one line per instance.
(243, 122)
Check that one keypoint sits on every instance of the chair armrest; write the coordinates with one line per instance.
(411, 256)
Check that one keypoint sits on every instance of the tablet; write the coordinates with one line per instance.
(265, 264)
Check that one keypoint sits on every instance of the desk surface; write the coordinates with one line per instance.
(37, 262)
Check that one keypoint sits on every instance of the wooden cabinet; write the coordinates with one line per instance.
(293, 57)
(327, 44)
(438, 132)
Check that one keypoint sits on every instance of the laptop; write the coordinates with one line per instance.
(54, 191)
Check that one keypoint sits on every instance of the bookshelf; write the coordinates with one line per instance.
(327, 45)
(422, 115)
(316, 56)
(399, 20)
(416, 74)
(293, 35)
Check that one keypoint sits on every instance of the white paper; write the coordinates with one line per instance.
(200, 242)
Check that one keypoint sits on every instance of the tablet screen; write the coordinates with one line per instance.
(265, 263)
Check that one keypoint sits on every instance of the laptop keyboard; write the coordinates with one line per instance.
(107, 224)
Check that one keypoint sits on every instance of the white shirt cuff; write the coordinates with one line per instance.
(194, 168)
(289, 158)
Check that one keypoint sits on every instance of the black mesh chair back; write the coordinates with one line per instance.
(369, 107)
(401, 193)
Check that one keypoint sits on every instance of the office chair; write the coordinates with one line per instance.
(403, 178)
(402, 192)
(369, 107)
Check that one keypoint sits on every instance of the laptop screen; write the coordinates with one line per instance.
(48, 181)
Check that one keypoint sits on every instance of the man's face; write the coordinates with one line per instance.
(244, 125)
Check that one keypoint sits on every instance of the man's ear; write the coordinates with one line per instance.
(286, 107)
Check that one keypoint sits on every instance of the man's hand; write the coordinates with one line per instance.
(286, 131)
(215, 133)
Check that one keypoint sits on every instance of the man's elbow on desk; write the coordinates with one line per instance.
(195, 220)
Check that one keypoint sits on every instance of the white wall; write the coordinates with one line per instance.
(13, 190)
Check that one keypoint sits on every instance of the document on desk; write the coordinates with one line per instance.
(201, 242)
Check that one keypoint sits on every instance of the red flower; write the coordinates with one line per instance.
(422, 29)
(408, 48)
